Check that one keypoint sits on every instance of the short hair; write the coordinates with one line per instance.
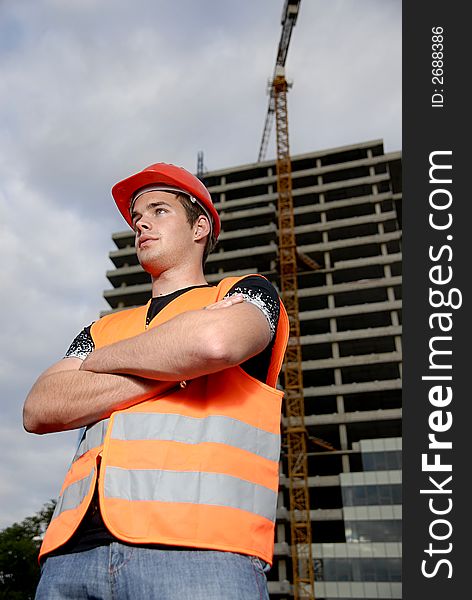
(193, 210)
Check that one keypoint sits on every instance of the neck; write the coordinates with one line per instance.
(172, 280)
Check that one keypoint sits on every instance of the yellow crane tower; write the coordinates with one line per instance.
(294, 430)
(295, 433)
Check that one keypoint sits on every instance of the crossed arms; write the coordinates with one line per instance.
(73, 393)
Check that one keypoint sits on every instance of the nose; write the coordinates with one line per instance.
(142, 224)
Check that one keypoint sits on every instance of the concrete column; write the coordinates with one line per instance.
(338, 380)
(222, 194)
(344, 446)
(324, 234)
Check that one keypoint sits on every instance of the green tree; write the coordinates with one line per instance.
(19, 546)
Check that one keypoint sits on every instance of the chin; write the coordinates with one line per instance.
(151, 265)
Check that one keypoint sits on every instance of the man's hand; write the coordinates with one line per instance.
(64, 397)
(226, 302)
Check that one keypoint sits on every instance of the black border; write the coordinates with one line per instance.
(426, 129)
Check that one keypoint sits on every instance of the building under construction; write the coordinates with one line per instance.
(347, 218)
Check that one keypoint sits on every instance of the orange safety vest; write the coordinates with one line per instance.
(196, 466)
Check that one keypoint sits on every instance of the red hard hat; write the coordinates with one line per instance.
(165, 174)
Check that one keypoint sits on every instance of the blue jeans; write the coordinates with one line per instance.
(120, 572)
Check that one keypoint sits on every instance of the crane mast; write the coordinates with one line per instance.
(294, 409)
(289, 18)
(295, 431)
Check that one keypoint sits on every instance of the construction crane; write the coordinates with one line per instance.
(289, 18)
(295, 430)
(294, 409)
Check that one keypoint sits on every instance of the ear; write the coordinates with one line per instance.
(201, 227)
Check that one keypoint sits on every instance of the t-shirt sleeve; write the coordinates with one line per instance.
(82, 345)
(261, 293)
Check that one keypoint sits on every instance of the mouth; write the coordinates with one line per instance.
(145, 241)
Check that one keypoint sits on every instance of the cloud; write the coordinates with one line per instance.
(50, 286)
(55, 260)
(34, 477)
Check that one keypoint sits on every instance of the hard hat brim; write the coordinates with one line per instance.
(124, 190)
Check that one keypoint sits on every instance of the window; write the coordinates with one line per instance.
(372, 495)
(382, 461)
(374, 531)
(358, 569)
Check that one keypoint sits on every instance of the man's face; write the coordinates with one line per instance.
(164, 238)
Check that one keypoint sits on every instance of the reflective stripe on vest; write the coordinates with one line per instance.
(93, 437)
(190, 430)
(73, 495)
(196, 488)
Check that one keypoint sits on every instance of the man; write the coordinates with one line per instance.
(172, 491)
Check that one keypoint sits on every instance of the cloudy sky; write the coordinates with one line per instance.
(94, 90)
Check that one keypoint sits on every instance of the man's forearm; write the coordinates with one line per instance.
(194, 343)
(177, 349)
(71, 399)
